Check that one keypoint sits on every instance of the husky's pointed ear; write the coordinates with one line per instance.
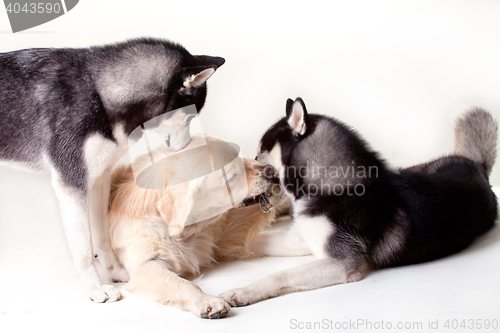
(296, 114)
(204, 60)
(195, 80)
(289, 104)
(194, 77)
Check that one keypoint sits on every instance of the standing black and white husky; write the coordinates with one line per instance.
(70, 112)
(355, 214)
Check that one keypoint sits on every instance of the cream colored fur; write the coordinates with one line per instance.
(157, 259)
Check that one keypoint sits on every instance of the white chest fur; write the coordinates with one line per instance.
(314, 230)
(101, 153)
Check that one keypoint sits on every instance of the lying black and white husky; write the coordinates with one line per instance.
(355, 214)
(70, 112)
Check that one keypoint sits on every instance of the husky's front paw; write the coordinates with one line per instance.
(211, 307)
(240, 297)
(104, 293)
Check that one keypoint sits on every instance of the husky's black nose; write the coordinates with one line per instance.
(269, 172)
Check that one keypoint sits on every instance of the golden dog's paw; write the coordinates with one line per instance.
(239, 297)
(212, 307)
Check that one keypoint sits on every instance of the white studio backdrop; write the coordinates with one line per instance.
(399, 72)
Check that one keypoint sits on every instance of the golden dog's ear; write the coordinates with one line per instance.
(174, 207)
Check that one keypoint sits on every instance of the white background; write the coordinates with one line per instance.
(399, 72)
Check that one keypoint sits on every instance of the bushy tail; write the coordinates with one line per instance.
(476, 137)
